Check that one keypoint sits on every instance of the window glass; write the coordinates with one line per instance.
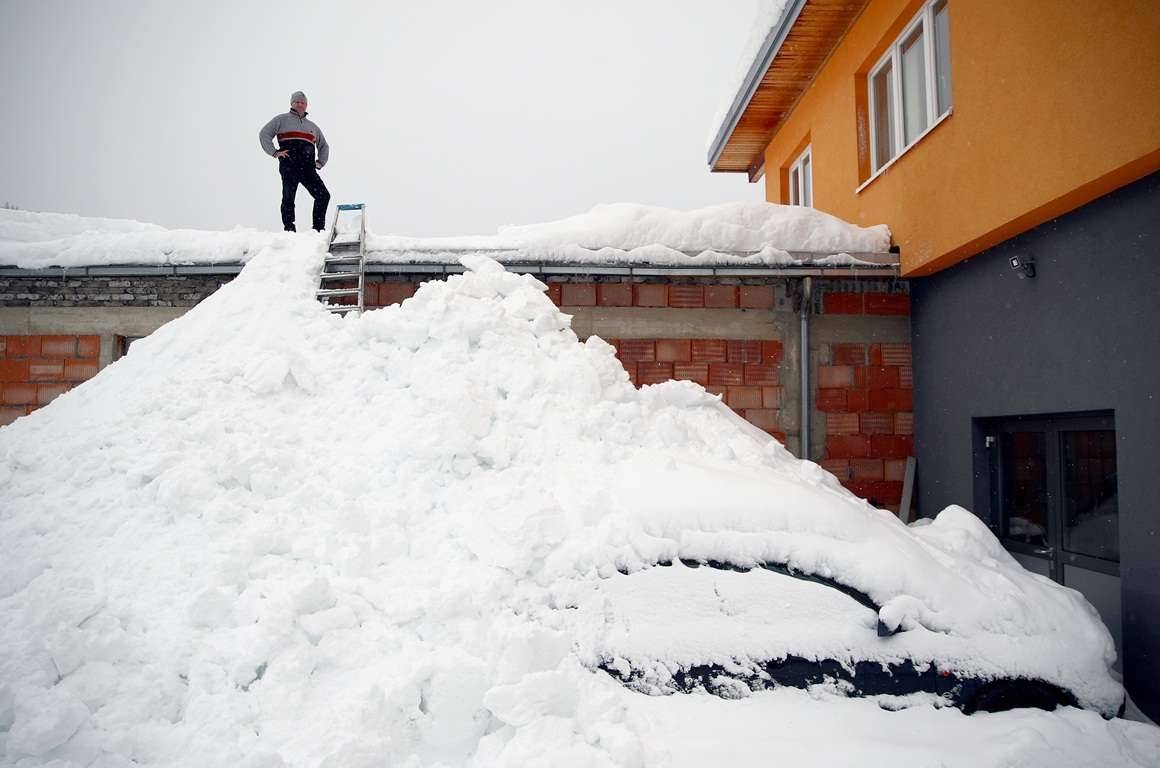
(1090, 508)
(913, 86)
(882, 98)
(794, 187)
(916, 65)
(942, 57)
(807, 182)
(1025, 502)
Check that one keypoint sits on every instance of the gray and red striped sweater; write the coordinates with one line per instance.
(291, 131)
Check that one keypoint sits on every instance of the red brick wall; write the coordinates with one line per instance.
(746, 373)
(382, 294)
(661, 295)
(866, 396)
(865, 303)
(377, 294)
(35, 369)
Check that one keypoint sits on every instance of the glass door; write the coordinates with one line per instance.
(1054, 500)
(1025, 503)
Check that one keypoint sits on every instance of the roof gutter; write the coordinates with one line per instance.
(804, 361)
(753, 78)
(447, 261)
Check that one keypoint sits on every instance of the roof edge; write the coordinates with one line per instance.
(757, 70)
(808, 264)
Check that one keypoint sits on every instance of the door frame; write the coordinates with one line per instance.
(988, 432)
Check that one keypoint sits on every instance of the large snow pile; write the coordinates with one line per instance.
(733, 233)
(271, 536)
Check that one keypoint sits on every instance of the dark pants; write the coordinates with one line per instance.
(295, 172)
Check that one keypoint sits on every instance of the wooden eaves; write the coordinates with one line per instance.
(791, 56)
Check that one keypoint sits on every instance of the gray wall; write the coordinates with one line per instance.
(1083, 335)
(126, 290)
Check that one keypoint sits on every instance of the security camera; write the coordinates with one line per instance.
(1023, 266)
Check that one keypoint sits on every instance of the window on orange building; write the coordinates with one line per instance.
(910, 86)
(801, 180)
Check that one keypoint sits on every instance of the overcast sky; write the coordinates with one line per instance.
(446, 117)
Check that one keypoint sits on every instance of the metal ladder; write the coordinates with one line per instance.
(345, 263)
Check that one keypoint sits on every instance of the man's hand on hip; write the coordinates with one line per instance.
(281, 153)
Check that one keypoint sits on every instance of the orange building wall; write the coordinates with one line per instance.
(1055, 102)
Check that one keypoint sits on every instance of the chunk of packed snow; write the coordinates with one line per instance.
(273, 536)
(755, 234)
(44, 718)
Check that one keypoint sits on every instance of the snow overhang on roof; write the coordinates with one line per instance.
(621, 239)
(791, 56)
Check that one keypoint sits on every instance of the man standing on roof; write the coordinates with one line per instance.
(297, 140)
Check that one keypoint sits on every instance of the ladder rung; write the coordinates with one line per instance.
(344, 261)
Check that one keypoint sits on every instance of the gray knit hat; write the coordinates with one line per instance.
(297, 96)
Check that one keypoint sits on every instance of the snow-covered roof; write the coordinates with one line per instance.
(798, 37)
(734, 234)
(771, 21)
(270, 536)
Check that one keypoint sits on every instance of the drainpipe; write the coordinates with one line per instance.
(807, 303)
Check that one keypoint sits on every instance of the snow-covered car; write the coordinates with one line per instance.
(819, 589)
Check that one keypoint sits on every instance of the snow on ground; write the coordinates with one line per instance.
(734, 233)
(824, 730)
(271, 536)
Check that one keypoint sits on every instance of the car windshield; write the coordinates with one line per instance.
(695, 615)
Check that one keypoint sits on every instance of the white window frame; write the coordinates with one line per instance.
(798, 166)
(893, 58)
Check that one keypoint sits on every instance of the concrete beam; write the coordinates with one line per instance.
(120, 321)
(859, 329)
